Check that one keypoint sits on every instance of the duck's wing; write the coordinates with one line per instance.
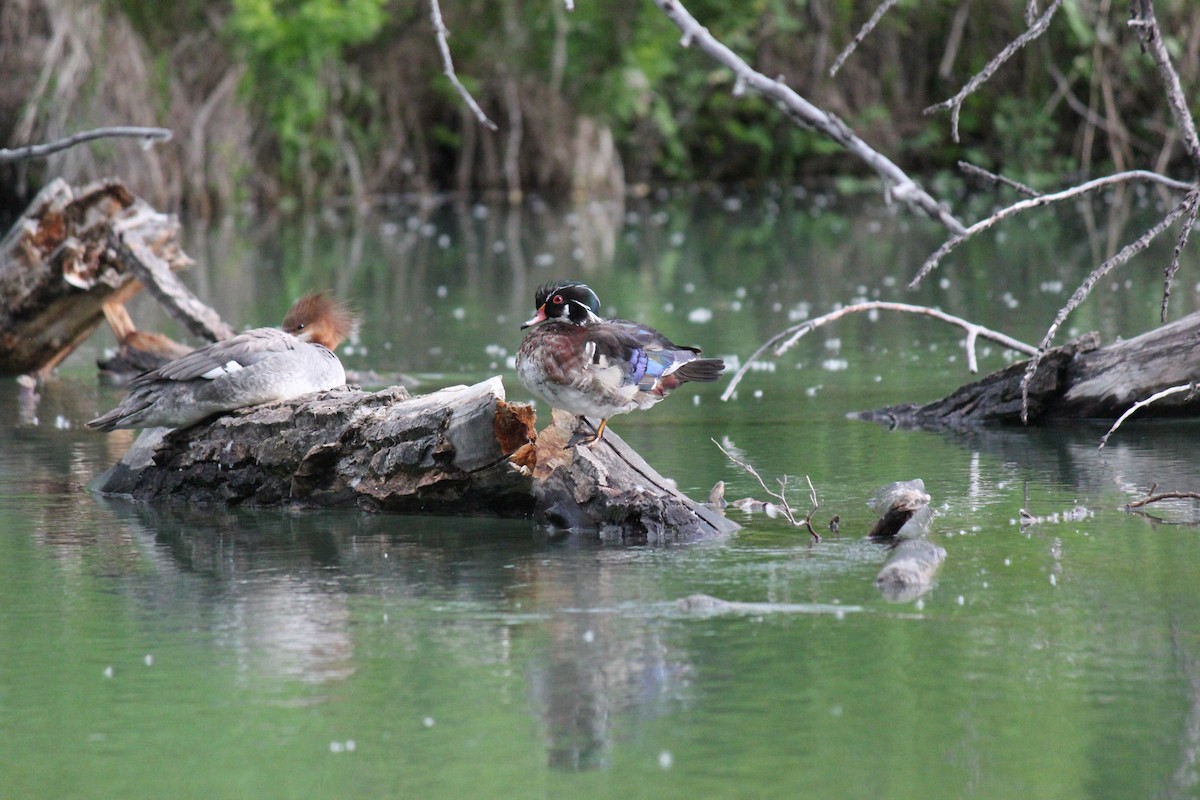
(223, 358)
(624, 353)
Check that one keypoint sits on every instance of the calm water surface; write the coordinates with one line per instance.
(216, 653)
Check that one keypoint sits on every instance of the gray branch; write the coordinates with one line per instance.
(1034, 202)
(863, 33)
(147, 135)
(804, 113)
(435, 12)
(1127, 252)
(955, 103)
(1146, 25)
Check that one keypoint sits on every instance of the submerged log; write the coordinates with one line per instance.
(1076, 381)
(462, 450)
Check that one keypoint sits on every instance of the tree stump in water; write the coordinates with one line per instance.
(461, 451)
(71, 253)
(1079, 380)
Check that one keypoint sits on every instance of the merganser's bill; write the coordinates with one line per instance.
(262, 365)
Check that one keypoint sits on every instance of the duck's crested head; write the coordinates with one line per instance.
(565, 301)
(320, 318)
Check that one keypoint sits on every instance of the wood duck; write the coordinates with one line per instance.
(593, 367)
(259, 366)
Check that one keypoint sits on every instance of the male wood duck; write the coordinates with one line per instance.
(593, 367)
(259, 366)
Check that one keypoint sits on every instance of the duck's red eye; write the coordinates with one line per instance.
(558, 300)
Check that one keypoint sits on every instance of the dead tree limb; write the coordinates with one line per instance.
(954, 104)
(786, 339)
(439, 27)
(784, 506)
(1133, 409)
(863, 33)
(147, 135)
(58, 269)
(1080, 294)
(949, 245)
(1152, 497)
(801, 111)
(459, 451)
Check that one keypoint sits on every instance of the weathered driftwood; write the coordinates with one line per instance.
(462, 450)
(910, 570)
(903, 509)
(1076, 381)
(69, 255)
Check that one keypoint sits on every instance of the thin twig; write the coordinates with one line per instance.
(802, 112)
(435, 11)
(1189, 219)
(1140, 404)
(148, 135)
(1146, 25)
(786, 339)
(1127, 252)
(980, 172)
(863, 32)
(1036, 29)
(785, 508)
(1154, 498)
(932, 262)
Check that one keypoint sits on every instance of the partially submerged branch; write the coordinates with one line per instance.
(785, 340)
(1140, 404)
(785, 507)
(1126, 253)
(1153, 497)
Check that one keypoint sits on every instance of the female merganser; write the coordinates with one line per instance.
(259, 366)
(589, 366)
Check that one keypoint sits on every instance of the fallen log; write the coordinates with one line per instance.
(1079, 380)
(463, 450)
(71, 253)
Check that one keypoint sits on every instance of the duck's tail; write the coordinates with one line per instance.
(701, 370)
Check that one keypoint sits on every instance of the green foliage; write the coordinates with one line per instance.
(294, 54)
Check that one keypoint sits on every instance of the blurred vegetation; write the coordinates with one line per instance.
(304, 101)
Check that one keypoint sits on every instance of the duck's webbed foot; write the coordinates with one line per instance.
(587, 435)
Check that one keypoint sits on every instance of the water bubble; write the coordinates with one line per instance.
(665, 759)
(428, 722)
(700, 315)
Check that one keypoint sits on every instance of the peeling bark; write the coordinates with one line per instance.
(64, 260)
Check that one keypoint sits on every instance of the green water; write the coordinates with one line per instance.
(216, 653)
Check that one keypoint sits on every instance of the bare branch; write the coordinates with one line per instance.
(1041, 200)
(784, 507)
(147, 135)
(1036, 29)
(1146, 25)
(1140, 404)
(1193, 206)
(785, 340)
(805, 114)
(435, 11)
(1127, 252)
(1154, 498)
(980, 172)
(863, 32)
